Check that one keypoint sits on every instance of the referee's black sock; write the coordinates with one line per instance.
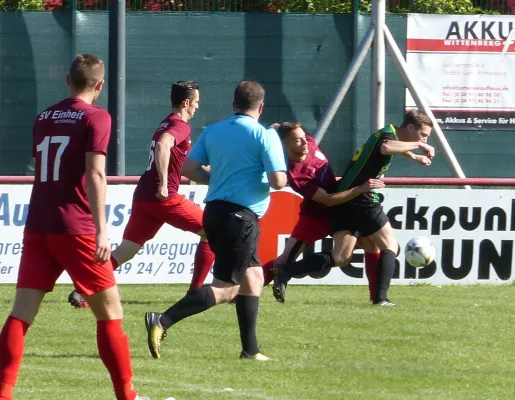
(385, 271)
(247, 311)
(312, 263)
(196, 301)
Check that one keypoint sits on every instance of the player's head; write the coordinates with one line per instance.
(185, 97)
(417, 125)
(248, 98)
(294, 140)
(86, 75)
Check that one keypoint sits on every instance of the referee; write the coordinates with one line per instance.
(245, 160)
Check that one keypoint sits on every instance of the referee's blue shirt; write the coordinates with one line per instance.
(240, 152)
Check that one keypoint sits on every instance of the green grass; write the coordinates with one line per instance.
(326, 343)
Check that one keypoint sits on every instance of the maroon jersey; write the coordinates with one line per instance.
(149, 182)
(63, 134)
(307, 176)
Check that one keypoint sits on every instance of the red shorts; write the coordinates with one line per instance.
(45, 257)
(308, 229)
(147, 217)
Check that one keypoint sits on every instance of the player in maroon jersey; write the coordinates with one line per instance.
(156, 201)
(66, 227)
(310, 175)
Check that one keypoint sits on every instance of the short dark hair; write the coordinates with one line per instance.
(183, 90)
(248, 95)
(85, 72)
(417, 118)
(286, 128)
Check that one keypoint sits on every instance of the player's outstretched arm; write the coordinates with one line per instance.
(96, 190)
(163, 146)
(195, 171)
(418, 158)
(394, 147)
(334, 199)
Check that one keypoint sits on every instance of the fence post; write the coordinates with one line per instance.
(116, 87)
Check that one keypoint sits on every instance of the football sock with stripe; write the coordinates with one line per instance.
(385, 271)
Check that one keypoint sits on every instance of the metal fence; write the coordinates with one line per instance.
(310, 6)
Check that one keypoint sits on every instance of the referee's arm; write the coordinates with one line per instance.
(272, 156)
(195, 166)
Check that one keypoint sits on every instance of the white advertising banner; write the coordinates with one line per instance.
(463, 65)
(473, 232)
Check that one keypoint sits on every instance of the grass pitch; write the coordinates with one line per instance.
(327, 343)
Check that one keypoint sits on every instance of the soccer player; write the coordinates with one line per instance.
(156, 201)
(364, 215)
(310, 175)
(246, 159)
(66, 228)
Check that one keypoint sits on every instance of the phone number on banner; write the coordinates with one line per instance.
(159, 271)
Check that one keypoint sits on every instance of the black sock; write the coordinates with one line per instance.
(247, 311)
(196, 301)
(385, 271)
(312, 263)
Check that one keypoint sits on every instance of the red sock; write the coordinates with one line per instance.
(204, 259)
(115, 263)
(371, 261)
(12, 341)
(113, 347)
(268, 272)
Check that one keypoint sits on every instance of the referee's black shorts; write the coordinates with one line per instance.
(232, 232)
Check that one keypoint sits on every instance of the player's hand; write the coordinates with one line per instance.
(162, 192)
(428, 150)
(423, 160)
(371, 184)
(103, 251)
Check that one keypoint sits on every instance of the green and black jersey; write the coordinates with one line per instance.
(368, 163)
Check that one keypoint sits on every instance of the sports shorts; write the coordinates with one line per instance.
(147, 217)
(45, 256)
(363, 220)
(308, 229)
(232, 232)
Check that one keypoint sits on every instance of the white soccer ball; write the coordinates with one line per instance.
(419, 252)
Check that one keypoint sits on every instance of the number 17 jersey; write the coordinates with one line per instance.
(62, 135)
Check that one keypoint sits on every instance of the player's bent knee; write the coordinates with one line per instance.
(106, 305)
(368, 245)
(341, 260)
(26, 304)
(224, 294)
(253, 282)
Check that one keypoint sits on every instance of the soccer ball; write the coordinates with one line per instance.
(419, 252)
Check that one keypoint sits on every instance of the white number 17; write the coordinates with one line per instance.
(43, 147)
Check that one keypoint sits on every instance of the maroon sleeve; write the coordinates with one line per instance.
(179, 133)
(303, 185)
(99, 131)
